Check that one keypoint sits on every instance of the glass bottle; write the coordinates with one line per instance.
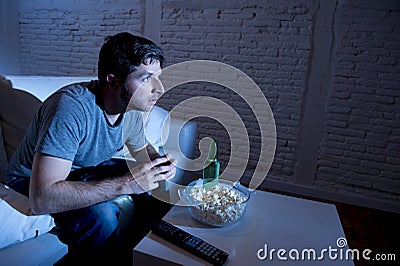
(211, 166)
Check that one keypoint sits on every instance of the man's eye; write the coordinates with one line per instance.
(145, 79)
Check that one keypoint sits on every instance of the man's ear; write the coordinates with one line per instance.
(113, 82)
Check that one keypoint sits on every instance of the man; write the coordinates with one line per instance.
(60, 162)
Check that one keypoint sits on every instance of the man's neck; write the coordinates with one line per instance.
(94, 87)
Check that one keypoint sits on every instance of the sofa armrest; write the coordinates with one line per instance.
(183, 145)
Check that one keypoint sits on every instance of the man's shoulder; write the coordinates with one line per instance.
(75, 92)
(132, 116)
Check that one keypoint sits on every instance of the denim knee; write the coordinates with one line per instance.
(105, 216)
(86, 229)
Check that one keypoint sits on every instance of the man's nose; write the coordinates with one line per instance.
(158, 87)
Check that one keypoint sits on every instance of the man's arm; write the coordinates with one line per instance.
(49, 192)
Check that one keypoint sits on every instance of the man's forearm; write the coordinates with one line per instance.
(49, 192)
(70, 195)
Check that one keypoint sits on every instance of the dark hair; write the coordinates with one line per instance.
(123, 52)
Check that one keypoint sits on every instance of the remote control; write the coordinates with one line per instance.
(190, 243)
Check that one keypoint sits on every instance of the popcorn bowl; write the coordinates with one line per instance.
(220, 205)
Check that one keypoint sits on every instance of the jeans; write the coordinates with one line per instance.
(87, 229)
(90, 229)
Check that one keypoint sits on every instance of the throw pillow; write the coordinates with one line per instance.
(17, 221)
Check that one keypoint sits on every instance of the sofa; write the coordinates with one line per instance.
(20, 96)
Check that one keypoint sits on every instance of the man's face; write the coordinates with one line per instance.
(143, 87)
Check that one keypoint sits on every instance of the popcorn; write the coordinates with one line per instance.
(220, 205)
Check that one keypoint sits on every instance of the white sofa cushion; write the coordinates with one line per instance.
(157, 124)
(43, 86)
(17, 221)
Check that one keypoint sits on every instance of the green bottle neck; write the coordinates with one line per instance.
(213, 146)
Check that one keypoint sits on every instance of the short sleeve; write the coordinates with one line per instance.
(133, 131)
(61, 127)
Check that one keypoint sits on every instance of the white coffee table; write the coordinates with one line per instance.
(272, 221)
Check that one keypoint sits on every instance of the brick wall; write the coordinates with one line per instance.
(280, 45)
(360, 144)
(64, 37)
(272, 42)
(269, 41)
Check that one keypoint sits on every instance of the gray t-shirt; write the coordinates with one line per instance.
(70, 125)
